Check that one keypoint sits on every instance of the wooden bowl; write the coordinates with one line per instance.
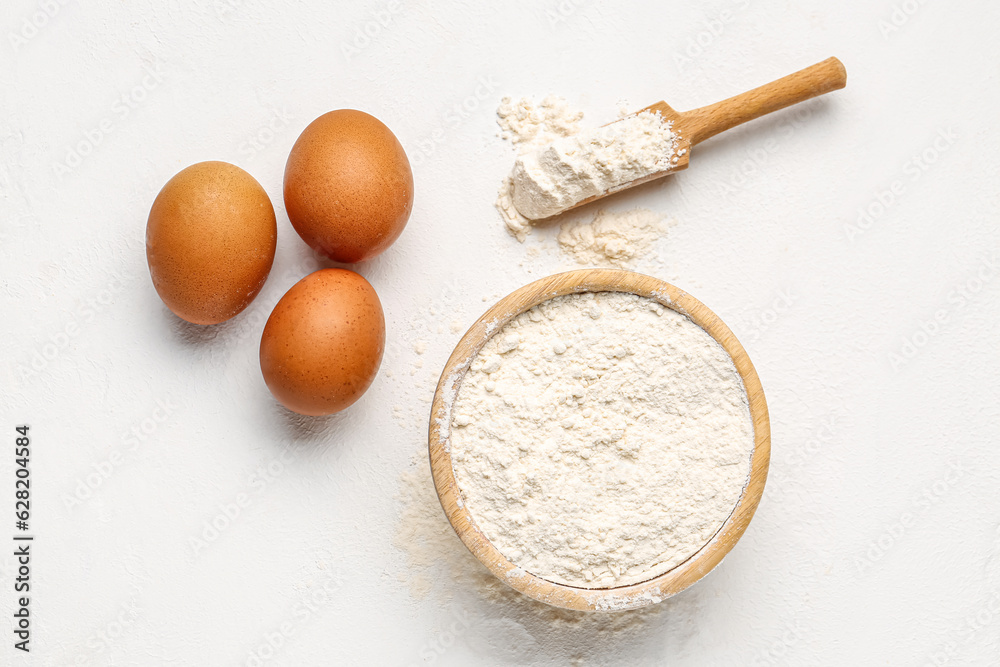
(570, 597)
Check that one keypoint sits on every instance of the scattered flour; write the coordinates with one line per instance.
(601, 439)
(615, 238)
(517, 224)
(529, 126)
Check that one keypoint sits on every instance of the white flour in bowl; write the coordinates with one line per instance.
(600, 439)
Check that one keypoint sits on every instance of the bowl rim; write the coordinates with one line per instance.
(631, 596)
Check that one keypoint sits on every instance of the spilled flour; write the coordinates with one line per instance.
(615, 238)
(528, 125)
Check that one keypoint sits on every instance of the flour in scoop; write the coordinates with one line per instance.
(529, 125)
(600, 439)
(562, 174)
(559, 164)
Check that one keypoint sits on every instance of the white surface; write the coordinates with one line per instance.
(863, 452)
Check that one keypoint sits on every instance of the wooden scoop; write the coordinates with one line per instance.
(697, 125)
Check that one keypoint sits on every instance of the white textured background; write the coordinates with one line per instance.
(878, 538)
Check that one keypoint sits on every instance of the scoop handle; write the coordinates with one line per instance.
(700, 124)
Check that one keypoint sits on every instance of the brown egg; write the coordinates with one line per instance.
(210, 241)
(348, 186)
(323, 343)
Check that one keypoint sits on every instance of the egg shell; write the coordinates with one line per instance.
(210, 241)
(348, 186)
(323, 343)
